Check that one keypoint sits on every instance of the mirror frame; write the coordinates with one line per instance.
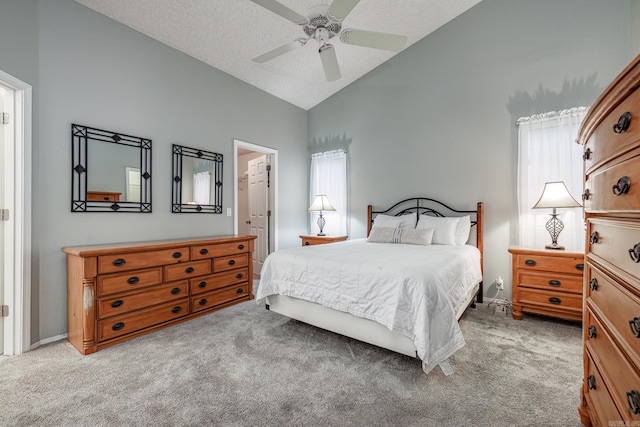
(80, 138)
(177, 206)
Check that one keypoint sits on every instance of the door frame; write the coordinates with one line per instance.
(17, 239)
(237, 144)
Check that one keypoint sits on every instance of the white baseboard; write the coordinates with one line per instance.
(48, 340)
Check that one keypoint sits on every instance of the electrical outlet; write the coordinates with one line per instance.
(499, 283)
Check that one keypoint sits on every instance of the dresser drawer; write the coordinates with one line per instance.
(621, 378)
(123, 304)
(614, 241)
(230, 262)
(550, 263)
(217, 281)
(605, 188)
(187, 270)
(129, 281)
(135, 260)
(599, 396)
(620, 307)
(127, 323)
(605, 143)
(551, 282)
(211, 299)
(549, 299)
(212, 251)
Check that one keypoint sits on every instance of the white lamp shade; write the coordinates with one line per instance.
(321, 203)
(556, 195)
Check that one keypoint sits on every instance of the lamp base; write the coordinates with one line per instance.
(554, 246)
(321, 234)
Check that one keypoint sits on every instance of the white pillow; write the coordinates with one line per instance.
(389, 221)
(410, 236)
(463, 229)
(444, 229)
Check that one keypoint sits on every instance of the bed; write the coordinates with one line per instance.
(407, 298)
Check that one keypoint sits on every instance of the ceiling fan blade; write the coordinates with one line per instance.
(282, 10)
(330, 62)
(279, 51)
(373, 39)
(339, 9)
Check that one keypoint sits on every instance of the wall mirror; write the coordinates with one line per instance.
(111, 171)
(197, 181)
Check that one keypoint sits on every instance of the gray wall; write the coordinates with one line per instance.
(438, 119)
(635, 27)
(90, 70)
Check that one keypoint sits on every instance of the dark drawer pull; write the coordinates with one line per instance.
(241, 246)
(580, 267)
(554, 282)
(175, 291)
(591, 382)
(623, 123)
(555, 300)
(118, 326)
(202, 284)
(586, 195)
(117, 303)
(587, 154)
(530, 262)
(592, 331)
(306, 243)
(133, 280)
(177, 255)
(204, 251)
(231, 262)
(593, 238)
(622, 186)
(203, 301)
(634, 253)
(239, 291)
(635, 326)
(239, 276)
(593, 284)
(189, 270)
(633, 398)
(177, 309)
(118, 262)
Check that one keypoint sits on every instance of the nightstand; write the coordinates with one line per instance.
(308, 240)
(547, 282)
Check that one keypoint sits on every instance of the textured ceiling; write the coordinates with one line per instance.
(227, 34)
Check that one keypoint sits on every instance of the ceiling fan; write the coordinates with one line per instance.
(322, 23)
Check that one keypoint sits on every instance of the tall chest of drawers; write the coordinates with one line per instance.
(120, 291)
(610, 133)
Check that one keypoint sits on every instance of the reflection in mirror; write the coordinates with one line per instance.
(197, 181)
(111, 171)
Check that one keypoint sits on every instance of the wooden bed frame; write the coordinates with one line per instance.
(367, 330)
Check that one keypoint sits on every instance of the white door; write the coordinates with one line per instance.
(3, 109)
(258, 209)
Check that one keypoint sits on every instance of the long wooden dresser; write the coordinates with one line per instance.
(611, 324)
(120, 291)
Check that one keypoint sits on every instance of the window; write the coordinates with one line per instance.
(547, 151)
(328, 175)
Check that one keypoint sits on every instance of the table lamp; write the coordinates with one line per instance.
(555, 195)
(321, 203)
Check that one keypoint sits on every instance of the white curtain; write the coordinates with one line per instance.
(201, 188)
(547, 151)
(328, 175)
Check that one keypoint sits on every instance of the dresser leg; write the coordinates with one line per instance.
(516, 312)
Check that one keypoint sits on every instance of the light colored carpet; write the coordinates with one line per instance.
(246, 366)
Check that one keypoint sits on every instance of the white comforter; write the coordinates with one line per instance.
(411, 289)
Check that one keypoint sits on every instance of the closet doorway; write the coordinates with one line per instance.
(256, 201)
(15, 219)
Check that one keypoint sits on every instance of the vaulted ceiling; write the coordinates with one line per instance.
(228, 34)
